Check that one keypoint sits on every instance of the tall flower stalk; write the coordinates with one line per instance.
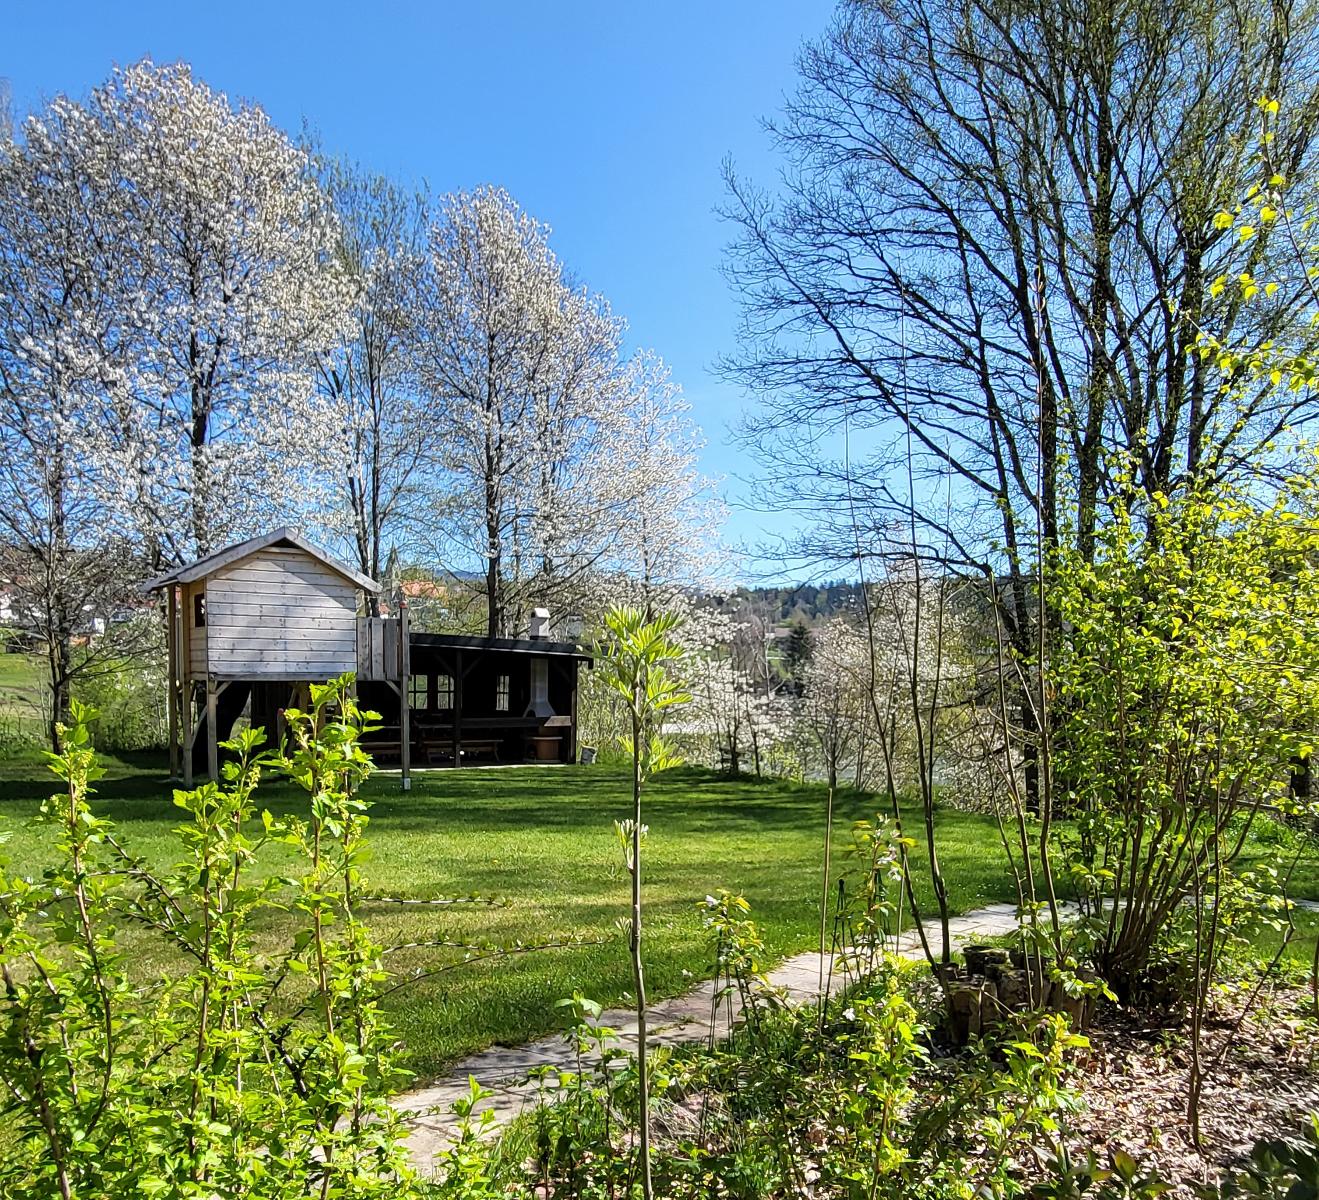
(639, 663)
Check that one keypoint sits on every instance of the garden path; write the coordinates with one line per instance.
(685, 1018)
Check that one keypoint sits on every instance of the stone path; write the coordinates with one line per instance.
(685, 1018)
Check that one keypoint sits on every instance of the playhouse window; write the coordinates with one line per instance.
(199, 611)
(501, 694)
(444, 691)
(417, 691)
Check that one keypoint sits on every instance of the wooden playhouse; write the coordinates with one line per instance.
(249, 627)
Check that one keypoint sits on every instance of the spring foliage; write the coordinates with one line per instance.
(247, 1070)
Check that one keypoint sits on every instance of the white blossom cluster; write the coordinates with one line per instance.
(206, 287)
(563, 459)
(207, 329)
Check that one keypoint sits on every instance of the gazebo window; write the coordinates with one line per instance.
(199, 610)
(501, 694)
(444, 691)
(417, 691)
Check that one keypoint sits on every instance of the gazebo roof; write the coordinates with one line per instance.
(541, 647)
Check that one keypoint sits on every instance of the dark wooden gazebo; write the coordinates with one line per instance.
(479, 699)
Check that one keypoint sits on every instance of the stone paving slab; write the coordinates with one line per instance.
(685, 1018)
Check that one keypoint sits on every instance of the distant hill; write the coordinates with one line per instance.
(807, 602)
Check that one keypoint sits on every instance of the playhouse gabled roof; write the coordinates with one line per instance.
(283, 536)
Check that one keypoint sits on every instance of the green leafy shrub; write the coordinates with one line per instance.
(1122, 1179)
(1184, 689)
(129, 695)
(1276, 1169)
(246, 1070)
(844, 1104)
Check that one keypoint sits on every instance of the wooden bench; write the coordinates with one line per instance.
(430, 747)
(379, 750)
(440, 749)
(480, 746)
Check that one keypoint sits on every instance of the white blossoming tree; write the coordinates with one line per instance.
(834, 706)
(498, 345)
(62, 576)
(381, 447)
(563, 461)
(228, 289)
(737, 713)
(670, 514)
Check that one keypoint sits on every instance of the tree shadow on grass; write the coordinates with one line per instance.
(692, 800)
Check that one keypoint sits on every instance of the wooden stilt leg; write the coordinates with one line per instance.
(189, 734)
(212, 742)
(173, 686)
(404, 700)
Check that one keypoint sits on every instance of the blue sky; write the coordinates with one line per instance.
(609, 121)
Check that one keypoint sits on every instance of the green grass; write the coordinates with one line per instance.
(22, 689)
(1292, 854)
(543, 839)
(1298, 953)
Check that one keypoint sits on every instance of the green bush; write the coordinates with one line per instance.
(1276, 1169)
(839, 1104)
(130, 696)
(248, 1071)
(1184, 690)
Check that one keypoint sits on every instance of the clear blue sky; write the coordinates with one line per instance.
(609, 121)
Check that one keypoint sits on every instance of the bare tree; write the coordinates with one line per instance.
(997, 239)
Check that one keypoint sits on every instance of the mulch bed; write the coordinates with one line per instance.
(1263, 1082)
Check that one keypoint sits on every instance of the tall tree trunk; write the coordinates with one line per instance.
(377, 520)
(60, 663)
(59, 618)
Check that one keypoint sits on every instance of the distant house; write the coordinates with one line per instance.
(22, 617)
(250, 626)
(415, 590)
(428, 601)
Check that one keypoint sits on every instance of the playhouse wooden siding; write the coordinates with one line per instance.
(278, 613)
(194, 635)
(250, 625)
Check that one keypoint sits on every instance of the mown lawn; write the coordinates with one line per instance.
(22, 684)
(543, 840)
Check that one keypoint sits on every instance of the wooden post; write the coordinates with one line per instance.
(185, 678)
(572, 731)
(173, 684)
(189, 735)
(458, 709)
(404, 698)
(212, 741)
